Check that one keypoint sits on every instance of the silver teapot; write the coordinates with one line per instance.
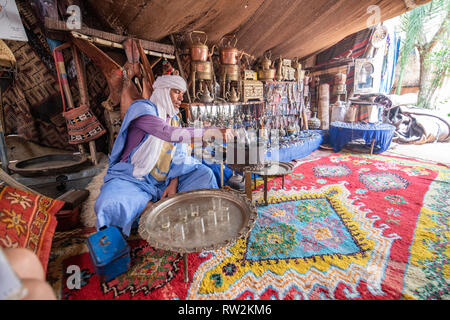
(205, 96)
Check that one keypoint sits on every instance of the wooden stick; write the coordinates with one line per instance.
(185, 260)
(111, 44)
(3, 149)
(82, 86)
(371, 146)
(156, 62)
(248, 185)
(180, 67)
(221, 174)
(93, 152)
(305, 116)
(157, 48)
(265, 191)
(146, 66)
(62, 74)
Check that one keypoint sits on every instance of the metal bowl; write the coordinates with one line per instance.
(193, 221)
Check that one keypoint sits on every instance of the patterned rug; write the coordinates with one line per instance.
(346, 226)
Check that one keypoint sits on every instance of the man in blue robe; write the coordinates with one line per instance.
(148, 162)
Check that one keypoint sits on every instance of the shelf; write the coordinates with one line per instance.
(221, 103)
(278, 82)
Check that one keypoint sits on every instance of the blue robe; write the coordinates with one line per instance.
(122, 197)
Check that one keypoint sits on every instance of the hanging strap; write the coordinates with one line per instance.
(82, 86)
(62, 75)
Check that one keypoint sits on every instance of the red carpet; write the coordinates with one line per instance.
(345, 227)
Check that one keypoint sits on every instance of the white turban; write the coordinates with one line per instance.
(161, 93)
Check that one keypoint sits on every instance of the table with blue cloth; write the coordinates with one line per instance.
(289, 149)
(296, 147)
(377, 135)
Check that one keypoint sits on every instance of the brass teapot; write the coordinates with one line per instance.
(233, 96)
(266, 72)
(266, 63)
(200, 51)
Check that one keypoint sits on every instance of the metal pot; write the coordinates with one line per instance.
(266, 74)
(230, 71)
(229, 54)
(202, 69)
(200, 51)
(266, 63)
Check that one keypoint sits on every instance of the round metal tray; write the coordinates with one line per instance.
(198, 216)
(246, 167)
(275, 169)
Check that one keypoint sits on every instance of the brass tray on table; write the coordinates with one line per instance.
(273, 169)
(196, 221)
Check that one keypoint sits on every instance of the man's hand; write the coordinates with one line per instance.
(171, 189)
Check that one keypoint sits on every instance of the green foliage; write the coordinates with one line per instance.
(415, 24)
(440, 61)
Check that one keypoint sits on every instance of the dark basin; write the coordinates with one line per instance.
(49, 165)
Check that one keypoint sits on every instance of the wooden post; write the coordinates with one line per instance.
(147, 67)
(186, 275)
(180, 67)
(265, 190)
(248, 184)
(371, 146)
(221, 174)
(93, 152)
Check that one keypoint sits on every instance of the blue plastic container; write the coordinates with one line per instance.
(109, 252)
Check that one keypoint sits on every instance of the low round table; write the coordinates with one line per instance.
(247, 170)
(273, 169)
(378, 135)
(195, 221)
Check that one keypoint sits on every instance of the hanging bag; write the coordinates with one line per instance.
(82, 125)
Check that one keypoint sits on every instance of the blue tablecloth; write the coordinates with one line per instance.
(342, 133)
(308, 142)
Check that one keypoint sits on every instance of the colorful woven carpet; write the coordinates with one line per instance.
(345, 227)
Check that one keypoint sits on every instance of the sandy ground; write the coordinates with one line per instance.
(435, 152)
